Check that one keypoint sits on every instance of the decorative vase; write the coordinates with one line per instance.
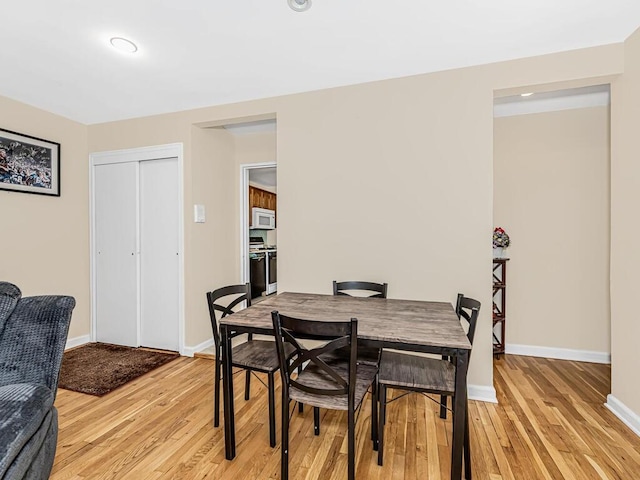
(498, 252)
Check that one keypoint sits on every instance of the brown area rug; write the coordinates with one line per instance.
(99, 368)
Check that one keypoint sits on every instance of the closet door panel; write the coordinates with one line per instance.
(159, 261)
(115, 194)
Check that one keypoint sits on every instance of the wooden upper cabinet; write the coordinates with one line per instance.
(261, 199)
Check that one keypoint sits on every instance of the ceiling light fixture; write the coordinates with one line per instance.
(526, 94)
(299, 5)
(123, 45)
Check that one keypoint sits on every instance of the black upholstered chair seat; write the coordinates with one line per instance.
(417, 373)
(314, 377)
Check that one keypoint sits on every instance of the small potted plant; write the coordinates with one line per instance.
(500, 242)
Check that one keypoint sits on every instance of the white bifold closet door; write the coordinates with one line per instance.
(115, 193)
(137, 264)
(159, 254)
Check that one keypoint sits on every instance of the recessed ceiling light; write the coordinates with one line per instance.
(526, 94)
(300, 5)
(123, 45)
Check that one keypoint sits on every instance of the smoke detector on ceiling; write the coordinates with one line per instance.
(299, 5)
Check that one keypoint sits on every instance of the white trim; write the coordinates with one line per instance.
(482, 393)
(190, 351)
(138, 260)
(244, 212)
(624, 413)
(569, 102)
(559, 353)
(77, 341)
(156, 152)
(92, 251)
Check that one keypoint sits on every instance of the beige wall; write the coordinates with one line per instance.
(551, 194)
(214, 242)
(255, 148)
(625, 231)
(45, 240)
(410, 165)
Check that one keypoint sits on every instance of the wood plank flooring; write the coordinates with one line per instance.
(550, 424)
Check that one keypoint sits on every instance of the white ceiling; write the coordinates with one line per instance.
(265, 177)
(195, 53)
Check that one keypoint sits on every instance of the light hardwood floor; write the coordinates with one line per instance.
(550, 424)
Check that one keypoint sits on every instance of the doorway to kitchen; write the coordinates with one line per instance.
(258, 233)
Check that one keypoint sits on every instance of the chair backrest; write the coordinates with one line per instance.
(241, 292)
(468, 309)
(379, 289)
(337, 335)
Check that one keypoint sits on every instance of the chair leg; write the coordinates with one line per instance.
(316, 420)
(351, 433)
(247, 385)
(216, 393)
(272, 411)
(284, 447)
(300, 404)
(383, 411)
(374, 414)
(443, 406)
(467, 443)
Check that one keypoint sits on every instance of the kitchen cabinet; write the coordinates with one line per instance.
(261, 199)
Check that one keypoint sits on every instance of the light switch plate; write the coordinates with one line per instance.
(198, 213)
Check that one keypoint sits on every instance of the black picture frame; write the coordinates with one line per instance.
(29, 164)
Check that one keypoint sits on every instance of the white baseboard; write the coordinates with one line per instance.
(482, 393)
(190, 351)
(559, 353)
(77, 341)
(624, 413)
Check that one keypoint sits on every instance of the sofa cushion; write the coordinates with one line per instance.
(23, 408)
(9, 296)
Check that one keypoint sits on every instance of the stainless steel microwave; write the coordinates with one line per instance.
(263, 218)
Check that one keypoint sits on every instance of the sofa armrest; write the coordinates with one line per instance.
(33, 340)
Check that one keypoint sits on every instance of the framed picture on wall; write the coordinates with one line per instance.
(29, 164)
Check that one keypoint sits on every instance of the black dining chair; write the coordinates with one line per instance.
(425, 375)
(252, 356)
(368, 355)
(330, 383)
(376, 290)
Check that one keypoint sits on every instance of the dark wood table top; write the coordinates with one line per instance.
(388, 321)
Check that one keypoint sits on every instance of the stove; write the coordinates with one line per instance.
(256, 244)
(263, 267)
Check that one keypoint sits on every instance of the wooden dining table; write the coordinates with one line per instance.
(418, 326)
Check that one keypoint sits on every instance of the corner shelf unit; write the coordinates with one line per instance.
(499, 304)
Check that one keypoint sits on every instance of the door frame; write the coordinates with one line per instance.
(137, 155)
(244, 215)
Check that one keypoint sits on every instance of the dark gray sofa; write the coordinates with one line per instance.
(33, 334)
